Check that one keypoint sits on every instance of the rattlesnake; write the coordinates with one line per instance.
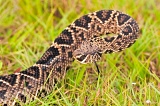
(81, 40)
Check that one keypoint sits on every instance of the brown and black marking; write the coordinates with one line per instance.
(82, 40)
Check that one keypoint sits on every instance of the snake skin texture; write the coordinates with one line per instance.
(81, 40)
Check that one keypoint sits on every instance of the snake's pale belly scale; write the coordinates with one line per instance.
(81, 40)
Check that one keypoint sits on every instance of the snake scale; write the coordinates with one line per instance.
(85, 40)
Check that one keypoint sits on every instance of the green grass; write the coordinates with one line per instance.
(27, 28)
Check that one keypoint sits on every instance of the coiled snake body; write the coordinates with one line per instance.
(81, 40)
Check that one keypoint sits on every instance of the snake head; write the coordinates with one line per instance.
(88, 58)
(87, 52)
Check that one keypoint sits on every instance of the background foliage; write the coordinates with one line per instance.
(131, 77)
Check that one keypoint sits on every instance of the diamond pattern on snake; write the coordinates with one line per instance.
(81, 40)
